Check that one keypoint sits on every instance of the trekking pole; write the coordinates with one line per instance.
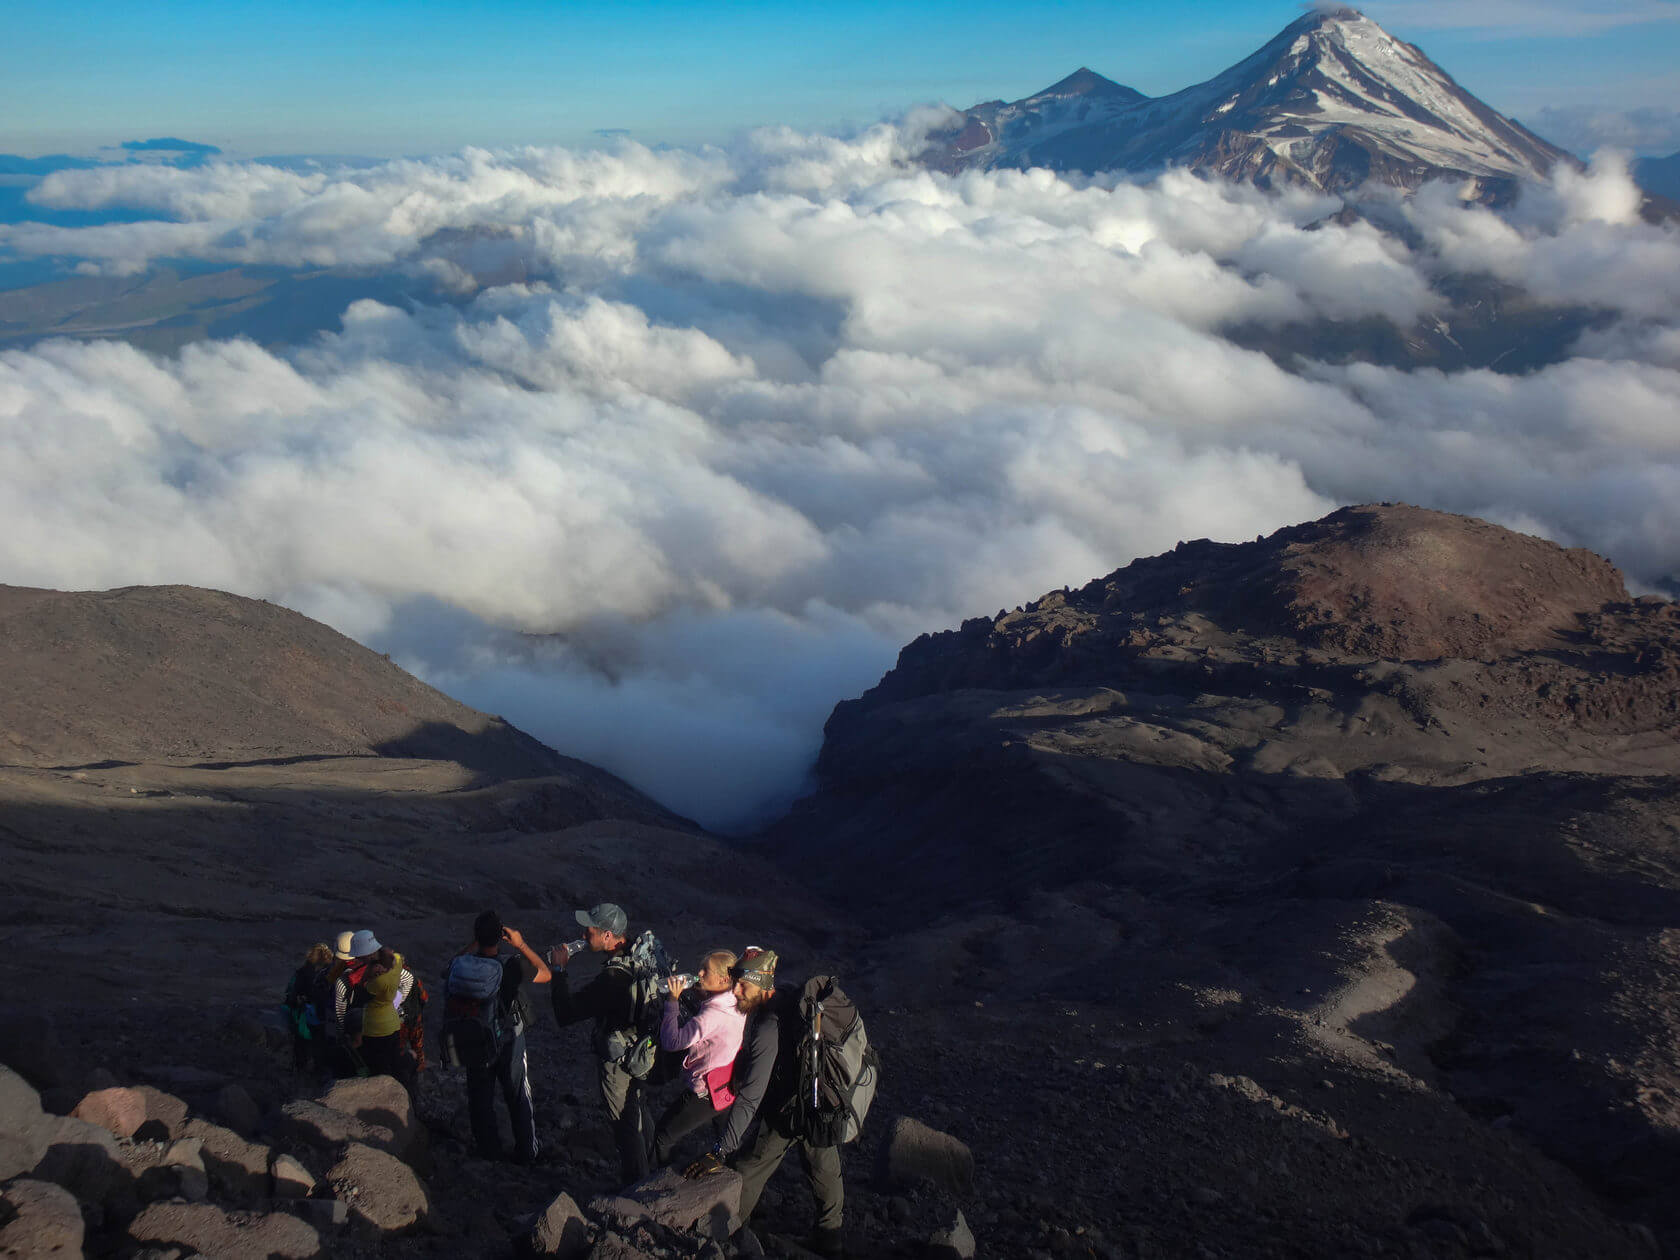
(816, 1056)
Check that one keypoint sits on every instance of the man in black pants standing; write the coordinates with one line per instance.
(766, 1078)
(609, 999)
(509, 1068)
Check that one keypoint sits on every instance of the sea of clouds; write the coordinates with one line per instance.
(703, 438)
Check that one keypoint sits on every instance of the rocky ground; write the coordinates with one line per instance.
(1317, 896)
(1404, 780)
(1117, 1137)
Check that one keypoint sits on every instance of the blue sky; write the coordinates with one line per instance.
(379, 78)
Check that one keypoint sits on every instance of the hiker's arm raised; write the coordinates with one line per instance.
(674, 1032)
(540, 974)
(382, 986)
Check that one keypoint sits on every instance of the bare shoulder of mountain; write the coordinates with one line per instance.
(1332, 102)
(191, 774)
(1380, 645)
(177, 674)
(1395, 786)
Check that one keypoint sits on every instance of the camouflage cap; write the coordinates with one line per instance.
(758, 968)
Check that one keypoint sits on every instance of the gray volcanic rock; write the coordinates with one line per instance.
(1228, 690)
(1332, 102)
(383, 1191)
(25, 1130)
(43, 1221)
(208, 1230)
(913, 1152)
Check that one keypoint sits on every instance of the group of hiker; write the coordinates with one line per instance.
(765, 1067)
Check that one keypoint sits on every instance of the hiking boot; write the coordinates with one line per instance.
(828, 1243)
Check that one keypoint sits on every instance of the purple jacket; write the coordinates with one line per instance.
(712, 1038)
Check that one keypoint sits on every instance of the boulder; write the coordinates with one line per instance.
(707, 1204)
(119, 1110)
(185, 1153)
(561, 1231)
(237, 1168)
(953, 1243)
(238, 1110)
(45, 1222)
(312, 1124)
(378, 1100)
(177, 1174)
(291, 1179)
(381, 1103)
(29, 1046)
(186, 1157)
(211, 1231)
(24, 1127)
(173, 1181)
(86, 1160)
(382, 1191)
(914, 1153)
(166, 1115)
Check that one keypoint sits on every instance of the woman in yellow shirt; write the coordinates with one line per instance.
(381, 1047)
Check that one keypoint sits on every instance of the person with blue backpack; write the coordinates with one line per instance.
(484, 1021)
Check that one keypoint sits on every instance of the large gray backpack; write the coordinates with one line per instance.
(636, 1048)
(838, 1070)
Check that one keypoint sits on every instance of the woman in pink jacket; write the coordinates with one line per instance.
(710, 1039)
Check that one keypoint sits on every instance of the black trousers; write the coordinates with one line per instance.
(822, 1171)
(387, 1056)
(686, 1113)
(511, 1072)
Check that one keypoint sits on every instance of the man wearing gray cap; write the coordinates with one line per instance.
(610, 1000)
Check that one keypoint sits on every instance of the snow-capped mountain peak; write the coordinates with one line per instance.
(1331, 102)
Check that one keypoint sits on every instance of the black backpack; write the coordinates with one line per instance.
(325, 1001)
(302, 992)
(837, 1069)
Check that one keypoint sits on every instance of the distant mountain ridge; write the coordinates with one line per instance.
(180, 674)
(1332, 102)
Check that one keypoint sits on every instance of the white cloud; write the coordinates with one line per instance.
(733, 427)
(1578, 239)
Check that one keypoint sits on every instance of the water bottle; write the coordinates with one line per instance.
(572, 948)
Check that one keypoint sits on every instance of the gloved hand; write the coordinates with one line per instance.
(710, 1162)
